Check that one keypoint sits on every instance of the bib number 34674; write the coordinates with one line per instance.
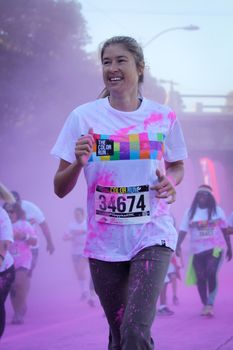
(122, 205)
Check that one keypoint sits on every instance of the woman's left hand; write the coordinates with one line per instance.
(165, 188)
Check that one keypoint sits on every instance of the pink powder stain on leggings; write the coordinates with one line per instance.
(147, 266)
(120, 314)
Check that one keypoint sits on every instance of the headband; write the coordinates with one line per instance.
(204, 189)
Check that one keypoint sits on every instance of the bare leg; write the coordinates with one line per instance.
(18, 294)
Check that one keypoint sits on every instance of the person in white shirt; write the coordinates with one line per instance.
(24, 237)
(7, 271)
(36, 218)
(205, 222)
(77, 234)
(131, 150)
(173, 273)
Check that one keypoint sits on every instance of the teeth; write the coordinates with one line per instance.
(115, 79)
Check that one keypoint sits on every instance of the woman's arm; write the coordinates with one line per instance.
(228, 243)
(68, 173)
(4, 246)
(166, 186)
(175, 171)
(66, 177)
(181, 237)
(230, 230)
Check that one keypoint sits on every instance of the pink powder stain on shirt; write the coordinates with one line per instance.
(105, 178)
(19, 249)
(125, 131)
(172, 116)
(122, 135)
(152, 119)
(94, 233)
(162, 207)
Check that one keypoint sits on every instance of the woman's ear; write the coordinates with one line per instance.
(141, 68)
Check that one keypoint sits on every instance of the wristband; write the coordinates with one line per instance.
(2, 257)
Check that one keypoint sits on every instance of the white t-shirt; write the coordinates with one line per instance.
(6, 234)
(78, 234)
(32, 212)
(123, 214)
(20, 249)
(204, 234)
(34, 215)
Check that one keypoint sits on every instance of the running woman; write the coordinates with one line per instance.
(24, 238)
(7, 270)
(205, 222)
(131, 150)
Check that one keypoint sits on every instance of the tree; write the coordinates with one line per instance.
(43, 63)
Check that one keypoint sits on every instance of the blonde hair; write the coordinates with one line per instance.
(6, 195)
(131, 45)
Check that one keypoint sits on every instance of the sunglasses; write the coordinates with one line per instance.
(10, 211)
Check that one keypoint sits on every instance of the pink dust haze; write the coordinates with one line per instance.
(56, 318)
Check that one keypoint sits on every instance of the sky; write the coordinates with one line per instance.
(199, 62)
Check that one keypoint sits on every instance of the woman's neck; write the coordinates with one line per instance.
(126, 104)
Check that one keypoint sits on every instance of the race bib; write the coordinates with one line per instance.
(122, 205)
(206, 232)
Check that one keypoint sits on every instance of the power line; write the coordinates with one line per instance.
(157, 13)
(105, 13)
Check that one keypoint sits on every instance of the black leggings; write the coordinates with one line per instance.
(128, 292)
(206, 267)
(6, 279)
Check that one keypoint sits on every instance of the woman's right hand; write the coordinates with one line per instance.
(84, 147)
(68, 173)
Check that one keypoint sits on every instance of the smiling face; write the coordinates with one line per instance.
(120, 72)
